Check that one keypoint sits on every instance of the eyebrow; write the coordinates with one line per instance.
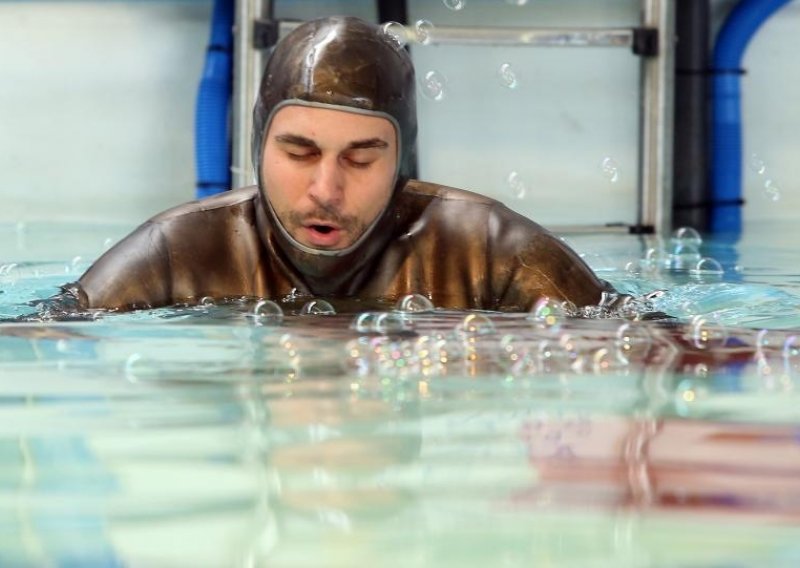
(297, 140)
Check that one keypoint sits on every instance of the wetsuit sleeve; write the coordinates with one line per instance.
(548, 267)
(530, 263)
(135, 273)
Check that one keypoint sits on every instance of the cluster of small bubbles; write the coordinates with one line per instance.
(549, 313)
(424, 30)
(317, 308)
(267, 311)
(433, 85)
(707, 267)
(454, 5)
(507, 76)
(414, 303)
(396, 356)
(518, 188)
(708, 332)
(771, 190)
(610, 169)
(687, 236)
(396, 32)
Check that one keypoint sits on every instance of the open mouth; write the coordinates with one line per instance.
(324, 229)
(323, 235)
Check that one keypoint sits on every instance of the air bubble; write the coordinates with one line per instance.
(517, 2)
(433, 85)
(548, 312)
(771, 190)
(108, 243)
(267, 310)
(707, 267)
(132, 365)
(791, 356)
(454, 5)
(632, 342)
(396, 32)
(317, 308)
(387, 323)
(687, 236)
(424, 30)
(604, 360)
(365, 322)
(414, 303)
(517, 185)
(207, 301)
(75, 264)
(507, 76)
(7, 269)
(683, 257)
(610, 169)
(757, 164)
(475, 325)
(708, 332)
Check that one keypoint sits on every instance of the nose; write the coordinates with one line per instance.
(327, 183)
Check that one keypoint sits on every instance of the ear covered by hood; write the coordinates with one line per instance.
(346, 64)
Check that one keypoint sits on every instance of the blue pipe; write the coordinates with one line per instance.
(726, 168)
(212, 121)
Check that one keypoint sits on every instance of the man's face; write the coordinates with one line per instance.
(328, 173)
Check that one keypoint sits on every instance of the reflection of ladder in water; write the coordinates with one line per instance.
(653, 42)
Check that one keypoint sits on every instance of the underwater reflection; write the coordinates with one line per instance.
(407, 437)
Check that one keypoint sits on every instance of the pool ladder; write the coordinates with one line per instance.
(653, 42)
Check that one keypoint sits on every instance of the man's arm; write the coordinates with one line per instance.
(135, 273)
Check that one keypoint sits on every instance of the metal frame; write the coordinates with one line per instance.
(247, 67)
(654, 41)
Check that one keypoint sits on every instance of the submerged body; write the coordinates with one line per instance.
(459, 249)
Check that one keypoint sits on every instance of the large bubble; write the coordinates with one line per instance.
(318, 308)
(414, 303)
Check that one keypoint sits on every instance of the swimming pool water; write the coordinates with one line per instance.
(209, 436)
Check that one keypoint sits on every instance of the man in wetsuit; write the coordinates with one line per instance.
(335, 213)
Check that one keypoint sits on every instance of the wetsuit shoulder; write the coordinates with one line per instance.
(174, 255)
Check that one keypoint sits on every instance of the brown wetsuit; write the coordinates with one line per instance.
(459, 249)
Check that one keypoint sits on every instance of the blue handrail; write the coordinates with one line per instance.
(212, 120)
(726, 166)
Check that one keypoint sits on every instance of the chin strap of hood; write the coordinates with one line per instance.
(346, 64)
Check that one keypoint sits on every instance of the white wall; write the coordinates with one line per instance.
(97, 108)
